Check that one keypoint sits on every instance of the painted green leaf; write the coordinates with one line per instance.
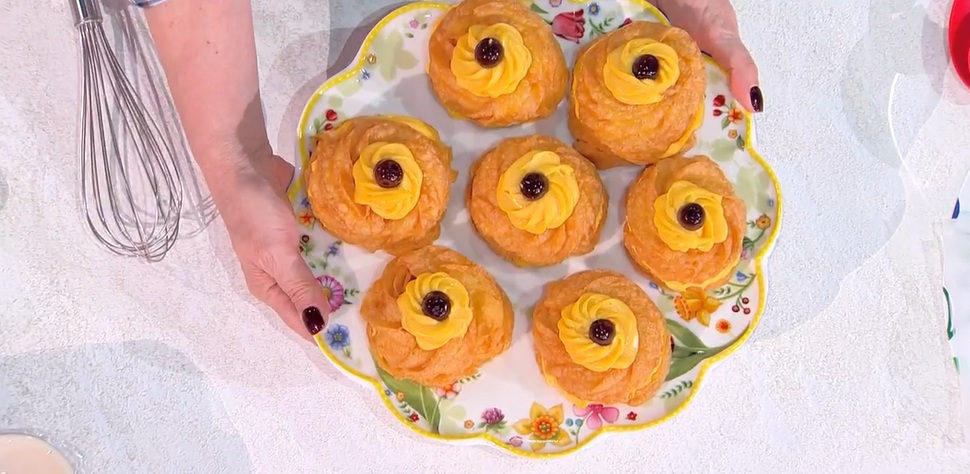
(725, 122)
(680, 366)
(391, 45)
(418, 397)
(684, 335)
(741, 142)
(349, 87)
(746, 185)
(537, 9)
(453, 417)
(723, 149)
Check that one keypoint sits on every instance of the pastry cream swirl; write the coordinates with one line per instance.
(574, 324)
(429, 333)
(495, 81)
(625, 87)
(389, 203)
(713, 230)
(549, 211)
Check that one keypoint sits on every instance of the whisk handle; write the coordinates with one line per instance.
(85, 11)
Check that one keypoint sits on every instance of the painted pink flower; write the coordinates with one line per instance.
(448, 391)
(333, 290)
(555, 3)
(413, 23)
(595, 415)
(515, 441)
(570, 26)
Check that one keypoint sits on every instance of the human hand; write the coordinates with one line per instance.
(262, 228)
(714, 25)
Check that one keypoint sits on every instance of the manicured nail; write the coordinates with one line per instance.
(757, 100)
(313, 320)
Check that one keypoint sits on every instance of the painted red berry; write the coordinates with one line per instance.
(747, 310)
(719, 101)
(717, 112)
(631, 416)
(331, 115)
(413, 417)
(328, 126)
(735, 308)
(744, 300)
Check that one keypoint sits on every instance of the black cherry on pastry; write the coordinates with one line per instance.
(691, 216)
(488, 52)
(602, 332)
(646, 67)
(436, 305)
(388, 174)
(534, 186)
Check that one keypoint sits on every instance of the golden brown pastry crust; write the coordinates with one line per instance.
(396, 351)
(633, 385)
(330, 186)
(611, 133)
(577, 236)
(539, 93)
(652, 255)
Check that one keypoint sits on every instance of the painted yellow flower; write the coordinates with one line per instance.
(694, 303)
(543, 427)
(399, 396)
(732, 134)
(469, 424)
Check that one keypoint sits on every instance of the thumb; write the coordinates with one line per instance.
(280, 173)
(304, 291)
(729, 52)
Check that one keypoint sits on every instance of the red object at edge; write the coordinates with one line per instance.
(959, 32)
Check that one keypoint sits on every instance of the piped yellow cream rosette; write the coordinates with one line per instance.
(434, 309)
(553, 207)
(388, 202)
(668, 207)
(599, 339)
(380, 182)
(536, 201)
(503, 77)
(599, 332)
(625, 86)
(684, 225)
(434, 316)
(646, 80)
(496, 63)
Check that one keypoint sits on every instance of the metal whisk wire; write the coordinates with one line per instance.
(131, 186)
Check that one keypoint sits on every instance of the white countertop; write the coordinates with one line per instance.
(174, 368)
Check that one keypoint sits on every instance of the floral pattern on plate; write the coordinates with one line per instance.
(508, 404)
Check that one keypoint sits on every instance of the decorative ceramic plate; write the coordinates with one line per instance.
(503, 403)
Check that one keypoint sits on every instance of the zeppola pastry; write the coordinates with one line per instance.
(536, 201)
(600, 340)
(496, 63)
(637, 95)
(684, 225)
(380, 182)
(434, 317)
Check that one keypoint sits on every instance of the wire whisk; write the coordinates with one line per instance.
(131, 187)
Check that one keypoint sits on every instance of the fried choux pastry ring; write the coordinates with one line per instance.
(599, 339)
(637, 95)
(434, 317)
(496, 63)
(684, 225)
(380, 182)
(535, 201)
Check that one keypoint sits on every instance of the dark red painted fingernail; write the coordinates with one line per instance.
(757, 100)
(313, 320)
